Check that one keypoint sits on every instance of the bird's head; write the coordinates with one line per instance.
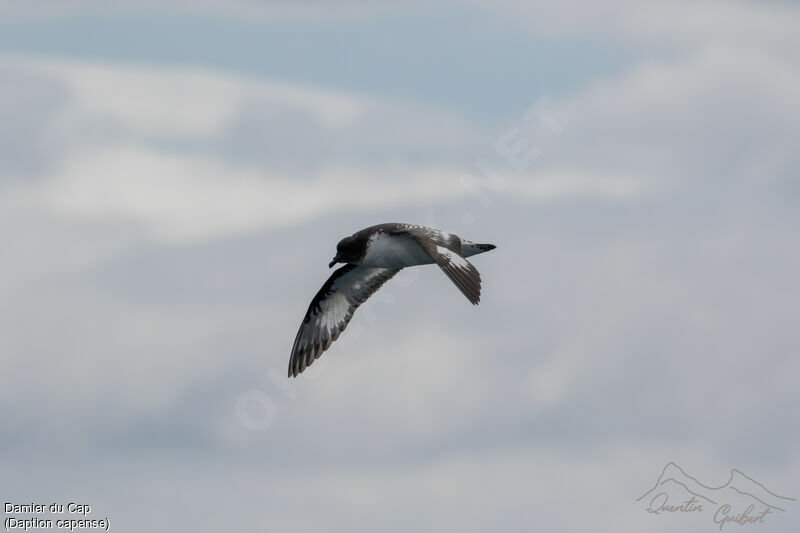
(347, 251)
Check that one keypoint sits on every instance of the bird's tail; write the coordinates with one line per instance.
(473, 248)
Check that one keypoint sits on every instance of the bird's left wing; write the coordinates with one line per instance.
(331, 310)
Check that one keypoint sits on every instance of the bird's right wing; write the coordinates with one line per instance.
(445, 250)
(331, 310)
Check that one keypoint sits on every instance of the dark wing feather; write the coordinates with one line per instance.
(331, 310)
(445, 250)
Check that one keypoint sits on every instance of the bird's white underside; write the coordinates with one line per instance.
(394, 251)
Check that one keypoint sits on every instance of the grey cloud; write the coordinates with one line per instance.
(660, 313)
(653, 300)
(28, 106)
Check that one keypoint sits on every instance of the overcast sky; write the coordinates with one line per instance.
(174, 177)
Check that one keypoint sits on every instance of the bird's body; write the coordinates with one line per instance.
(373, 256)
(393, 251)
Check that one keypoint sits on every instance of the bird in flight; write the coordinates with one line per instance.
(372, 257)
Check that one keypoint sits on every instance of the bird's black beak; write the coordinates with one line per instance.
(335, 260)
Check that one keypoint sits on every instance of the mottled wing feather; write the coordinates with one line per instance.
(445, 250)
(331, 310)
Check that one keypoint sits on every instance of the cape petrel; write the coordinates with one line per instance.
(372, 257)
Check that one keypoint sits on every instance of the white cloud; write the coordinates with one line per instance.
(118, 124)
(175, 102)
(189, 198)
(179, 198)
(721, 117)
